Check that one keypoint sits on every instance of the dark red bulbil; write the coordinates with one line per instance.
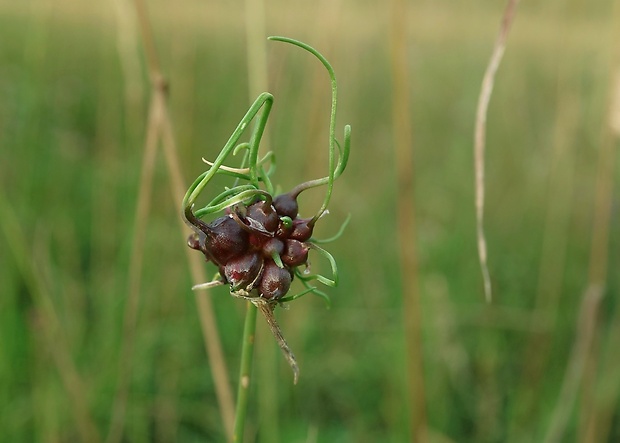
(242, 271)
(302, 229)
(295, 253)
(286, 205)
(264, 214)
(275, 281)
(220, 240)
(272, 246)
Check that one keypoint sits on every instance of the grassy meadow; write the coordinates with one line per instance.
(540, 363)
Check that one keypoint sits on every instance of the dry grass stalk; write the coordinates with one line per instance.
(585, 332)
(480, 138)
(160, 130)
(407, 251)
(596, 415)
(130, 317)
(206, 314)
(256, 44)
(598, 419)
(127, 45)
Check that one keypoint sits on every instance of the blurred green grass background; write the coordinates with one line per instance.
(73, 101)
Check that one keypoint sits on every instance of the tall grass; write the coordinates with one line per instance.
(72, 127)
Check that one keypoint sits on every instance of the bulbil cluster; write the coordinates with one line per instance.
(256, 247)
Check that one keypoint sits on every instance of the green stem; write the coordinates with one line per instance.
(257, 135)
(243, 390)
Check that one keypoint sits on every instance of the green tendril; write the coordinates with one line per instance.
(326, 281)
(340, 166)
(336, 236)
(230, 192)
(290, 298)
(264, 102)
(333, 144)
(309, 289)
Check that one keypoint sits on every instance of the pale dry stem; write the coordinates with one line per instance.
(135, 269)
(266, 309)
(573, 376)
(407, 244)
(480, 139)
(160, 129)
(598, 419)
(205, 308)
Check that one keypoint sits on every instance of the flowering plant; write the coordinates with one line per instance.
(261, 244)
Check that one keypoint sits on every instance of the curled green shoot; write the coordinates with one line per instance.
(262, 103)
(340, 167)
(334, 237)
(334, 169)
(230, 192)
(333, 282)
(309, 290)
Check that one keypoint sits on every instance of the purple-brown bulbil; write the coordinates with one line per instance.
(286, 205)
(264, 215)
(273, 246)
(242, 271)
(224, 239)
(302, 229)
(275, 281)
(295, 253)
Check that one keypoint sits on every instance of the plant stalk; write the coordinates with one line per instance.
(486, 90)
(406, 223)
(243, 389)
(162, 131)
